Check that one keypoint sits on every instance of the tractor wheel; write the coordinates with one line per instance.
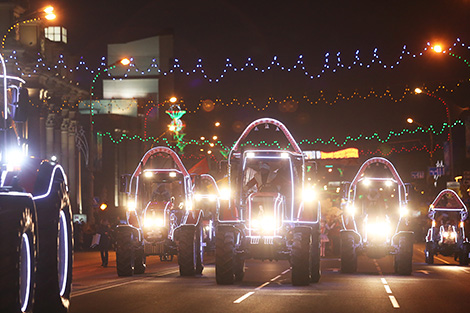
(300, 258)
(18, 239)
(348, 254)
(55, 258)
(464, 254)
(239, 268)
(139, 263)
(187, 252)
(198, 239)
(429, 253)
(315, 271)
(404, 256)
(224, 256)
(125, 251)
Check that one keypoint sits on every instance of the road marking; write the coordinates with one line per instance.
(118, 284)
(442, 260)
(387, 289)
(259, 287)
(394, 302)
(244, 297)
(263, 285)
(423, 271)
(383, 281)
(278, 276)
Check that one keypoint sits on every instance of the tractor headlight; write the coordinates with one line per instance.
(379, 229)
(309, 195)
(350, 210)
(404, 211)
(265, 224)
(14, 159)
(225, 193)
(152, 222)
(131, 206)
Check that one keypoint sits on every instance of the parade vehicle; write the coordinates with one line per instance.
(447, 233)
(35, 218)
(374, 217)
(161, 217)
(270, 213)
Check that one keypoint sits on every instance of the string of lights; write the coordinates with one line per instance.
(332, 63)
(332, 141)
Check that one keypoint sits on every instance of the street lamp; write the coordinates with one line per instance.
(449, 136)
(47, 13)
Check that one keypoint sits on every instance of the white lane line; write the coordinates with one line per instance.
(384, 281)
(85, 292)
(244, 297)
(394, 302)
(442, 260)
(259, 287)
(286, 271)
(278, 276)
(263, 285)
(387, 289)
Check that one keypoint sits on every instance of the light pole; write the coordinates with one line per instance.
(91, 148)
(449, 136)
(47, 13)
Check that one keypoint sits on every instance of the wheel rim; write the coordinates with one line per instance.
(63, 253)
(25, 272)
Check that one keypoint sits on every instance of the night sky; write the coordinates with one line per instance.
(216, 30)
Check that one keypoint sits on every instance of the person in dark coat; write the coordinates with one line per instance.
(105, 240)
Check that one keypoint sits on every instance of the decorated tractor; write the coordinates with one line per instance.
(270, 214)
(375, 217)
(447, 233)
(35, 219)
(161, 218)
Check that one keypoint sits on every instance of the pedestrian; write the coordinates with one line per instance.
(105, 239)
(323, 237)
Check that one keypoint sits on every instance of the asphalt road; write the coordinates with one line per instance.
(442, 287)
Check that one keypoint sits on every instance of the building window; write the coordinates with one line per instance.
(56, 34)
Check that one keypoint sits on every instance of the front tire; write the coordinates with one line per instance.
(55, 257)
(125, 253)
(464, 254)
(315, 270)
(224, 256)
(348, 254)
(300, 258)
(429, 253)
(404, 256)
(187, 250)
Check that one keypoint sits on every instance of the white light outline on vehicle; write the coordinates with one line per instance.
(25, 301)
(66, 268)
(51, 181)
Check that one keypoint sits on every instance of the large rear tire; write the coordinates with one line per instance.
(224, 256)
(55, 258)
(348, 254)
(187, 250)
(404, 256)
(18, 239)
(315, 270)
(125, 252)
(139, 263)
(429, 253)
(300, 258)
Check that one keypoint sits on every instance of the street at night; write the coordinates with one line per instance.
(234, 156)
(442, 287)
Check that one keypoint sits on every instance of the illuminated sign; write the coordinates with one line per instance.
(349, 153)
